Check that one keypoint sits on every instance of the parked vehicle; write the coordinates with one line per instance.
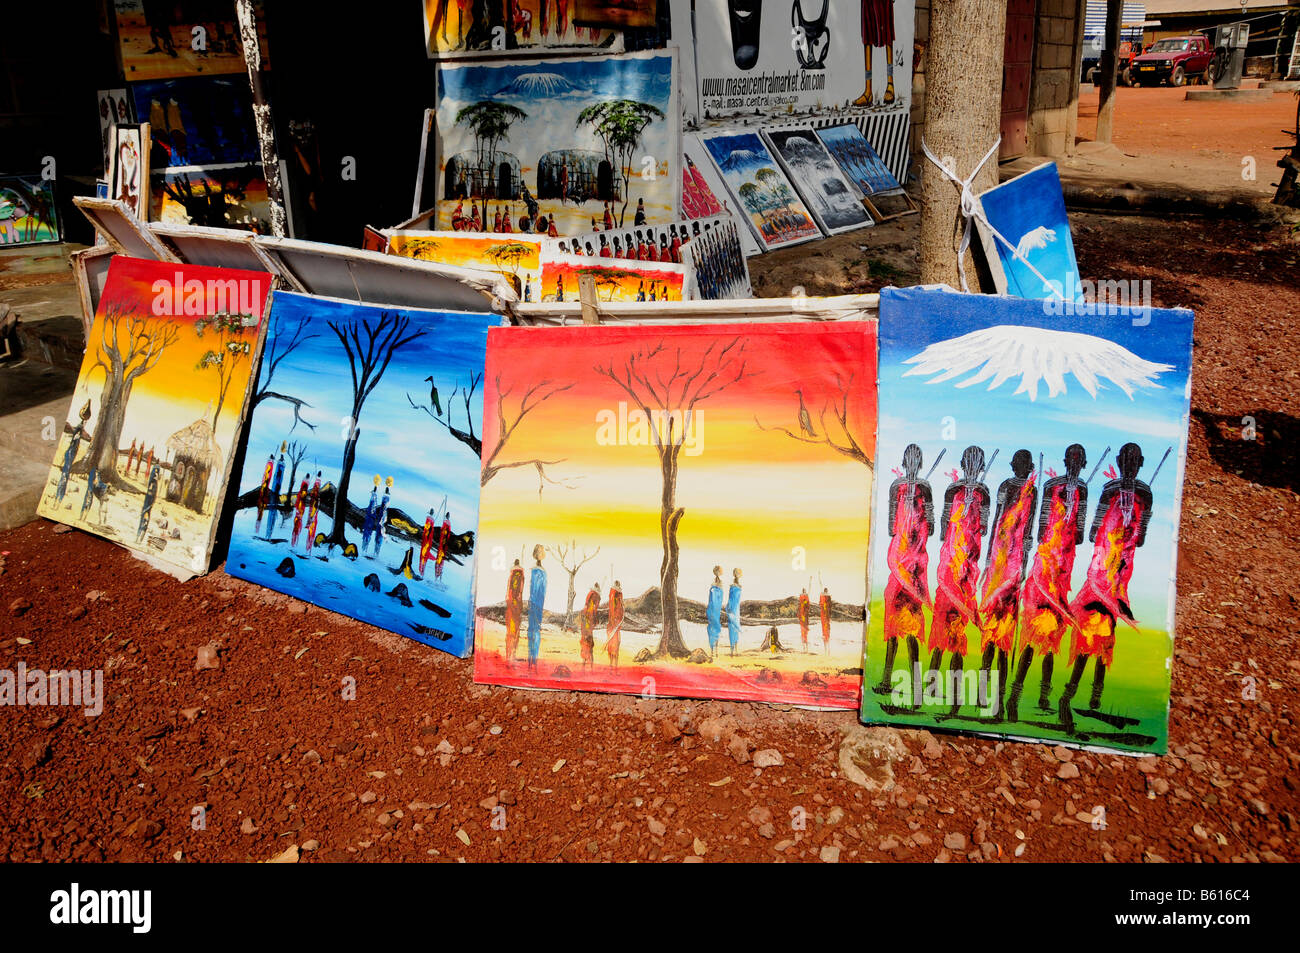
(1176, 60)
(1127, 52)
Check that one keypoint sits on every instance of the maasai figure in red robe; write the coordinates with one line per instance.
(514, 609)
(609, 217)
(1045, 614)
(1013, 536)
(148, 462)
(803, 618)
(911, 524)
(458, 217)
(826, 619)
(614, 624)
(264, 492)
(299, 506)
(130, 457)
(587, 626)
(965, 521)
(313, 511)
(1119, 527)
(496, 221)
(878, 31)
(475, 220)
(426, 540)
(444, 536)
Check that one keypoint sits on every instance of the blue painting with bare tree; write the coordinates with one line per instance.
(559, 146)
(360, 488)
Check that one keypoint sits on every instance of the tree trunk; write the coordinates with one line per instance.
(338, 532)
(573, 594)
(963, 113)
(1106, 71)
(670, 515)
(262, 115)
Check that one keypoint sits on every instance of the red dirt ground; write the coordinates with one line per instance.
(423, 761)
(1158, 120)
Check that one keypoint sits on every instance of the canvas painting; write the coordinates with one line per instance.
(817, 177)
(215, 196)
(760, 189)
(182, 38)
(717, 260)
(637, 484)
(626, 280)
(618, 14)
(561, 142)
(114, 107)
(649, 243)
(375, 520)
(128, 171)
(695, 158)
(1029, 212)
(698, 199)
(858, 160)
(516, 258)
(203, 120)
(779, 57)
(28, 212)
(147, 447)
(1024, 553)
(484, 27)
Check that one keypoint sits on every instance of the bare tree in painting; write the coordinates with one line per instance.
(295, 452)
(280, 343)
(466, 436)
(232, 349)
(566, 555)
(129, 347)
(369, 348)
(668, 387)
(838, 409)
(506, 427)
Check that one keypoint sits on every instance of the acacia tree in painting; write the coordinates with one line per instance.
(506, 427)
(668, 393)
(490, 123)
(369, 349)
(508, 256)
(571, 563)
(620, 124)
(124, 359)
(233, 348)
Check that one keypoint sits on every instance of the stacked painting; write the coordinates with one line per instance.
(1024, 556)
(760, 190)
(145, 452)
(360, 488)
(637, 488)
(28, 213)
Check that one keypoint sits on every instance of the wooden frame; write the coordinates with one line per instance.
(125, 234)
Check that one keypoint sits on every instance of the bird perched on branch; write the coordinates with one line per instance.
(433, 396)
(805, 419)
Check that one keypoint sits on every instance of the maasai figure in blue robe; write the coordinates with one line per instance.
(536, 606)
(381, 515)
(368, 523)
(714, 610)
(90, 492)
(276, 482)
(733, 611)
(70, 455)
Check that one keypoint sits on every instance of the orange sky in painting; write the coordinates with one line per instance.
(612, 286)
(466, 251)
(174, 393)
(750, 495)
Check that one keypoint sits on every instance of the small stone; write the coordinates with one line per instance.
(1067, 771)
(248, 827)
(19, 606)
(311, 757)
(768, 758)
(310, 845)
(758, 815)
(368, 797)
(830, 854)
(206, 657)
(190, 714)
(954, 840)
(657, 828)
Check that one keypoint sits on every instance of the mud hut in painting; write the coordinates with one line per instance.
(195, 457)
(467, 177)
(578, 175)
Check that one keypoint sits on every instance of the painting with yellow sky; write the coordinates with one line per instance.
(677, 510)
(144, 454)
(616, 280)
(516, 258)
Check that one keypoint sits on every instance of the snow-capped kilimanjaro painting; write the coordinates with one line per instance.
(1029, 212)
(360, 485)
(1029, 470)
(559, 146)
(818, 179)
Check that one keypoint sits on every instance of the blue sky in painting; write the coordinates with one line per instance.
(915, 409)
(1018, 206)
(426, 463)
(840, 140)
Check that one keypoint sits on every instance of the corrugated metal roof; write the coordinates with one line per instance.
(1134, 15)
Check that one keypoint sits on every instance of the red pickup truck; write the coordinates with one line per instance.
(1175, 59)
